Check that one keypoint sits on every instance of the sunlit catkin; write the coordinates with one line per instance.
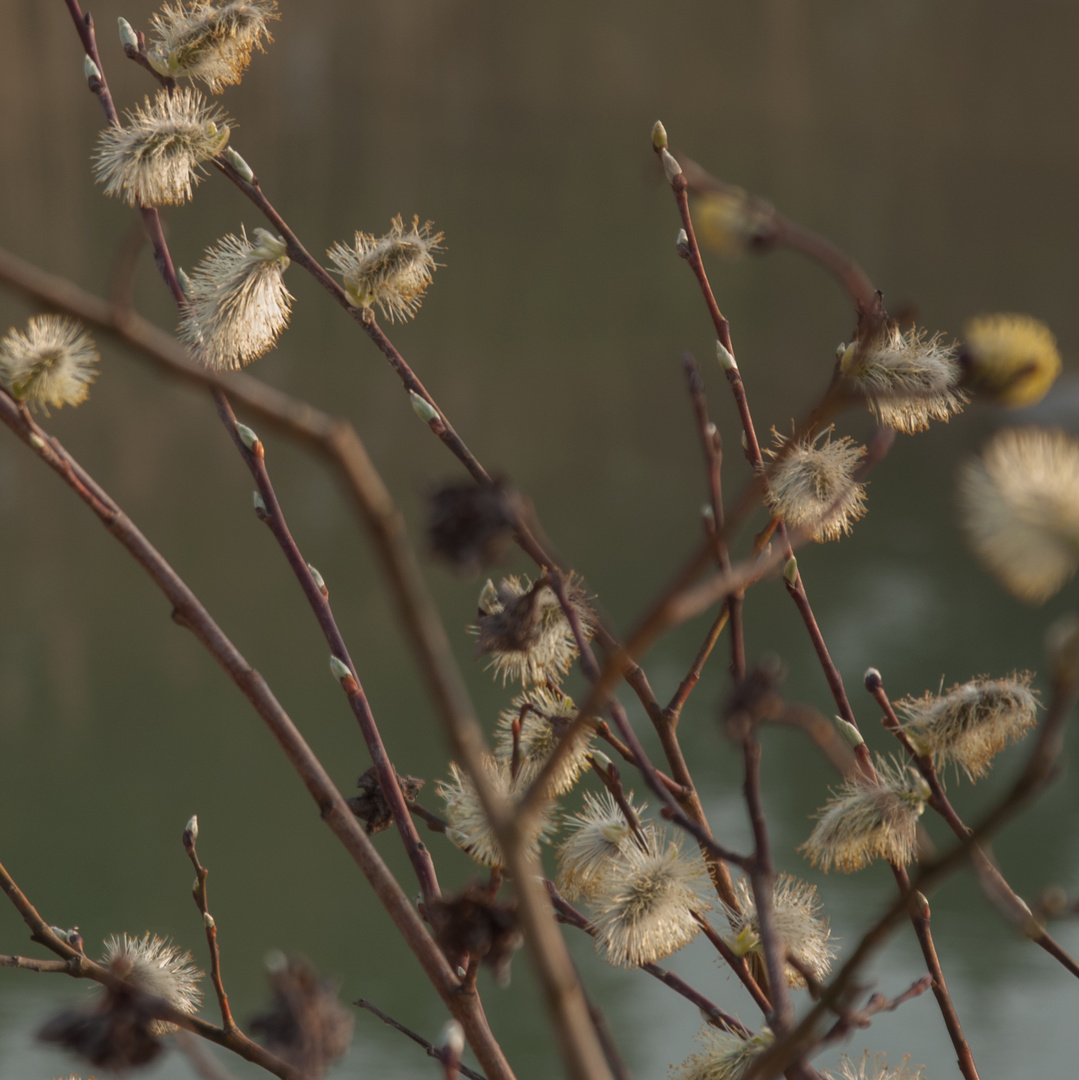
(812, 486)
(209, 42)
(863, 821)
(1011, 359)
(907, 378)
(392, 271)
(971, 723)
(875, 1068)
(158, 968)
(237, 301)
(51, 363)
(598, 836)
(1019, 504)
(157, 158)
(724, 1054)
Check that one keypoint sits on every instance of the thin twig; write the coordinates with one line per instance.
(432, 1050)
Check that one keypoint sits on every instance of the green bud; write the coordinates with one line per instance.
(128, 38)
(851, 735)
(91, 70)
(659, 136)
(260, 503)
(240, 167)
(247, 436)
(208, 921)
(723, 355)
(36, 441)
(682, 239)
(193, 827)
(670, 167)
(340, 669)
(790, 571)
(317, 578)
(423, 408)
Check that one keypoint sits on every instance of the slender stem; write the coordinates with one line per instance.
(432, 1050)
(202, 902)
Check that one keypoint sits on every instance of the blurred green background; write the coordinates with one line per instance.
(933, 141)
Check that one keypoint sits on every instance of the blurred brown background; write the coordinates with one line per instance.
(933, 141)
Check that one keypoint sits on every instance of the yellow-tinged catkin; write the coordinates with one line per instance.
(724, 1054)
(392, 271)
(863, 820)
(875, 1067)
(1011, 359)
(907, 378)
(51, 363)
(972, 722)
(598, 835)
(207, 41)
(1019, 506)
(157, 158)
(158, 968)
(812, 486)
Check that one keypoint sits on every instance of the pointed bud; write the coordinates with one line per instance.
(91, 71)
(128, 38)
(922, 904)
(317, 578)
(461, 973)
(790, 572)
(724, 356)
(208, 921)
(239, 166)
(250, 440)
(192, 828)
(260, 505)
(873, 680)
(659, 136)
(682, 239)
(851, 735)
(601, 759)
(452, 1038)
(670, 167)
(36, 441)
(423, 408)
(340, 669)
(61, 934)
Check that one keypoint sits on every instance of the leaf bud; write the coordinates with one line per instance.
(36, 441)
(659, 136)
(790, 571)
(91, 71)
(725, 357)
(423, 408)
(671, 168)
(340, 669)
(260, 504)
(191, 830)
(851, 735)
(239, 166)
(128, 38)
(249, 439)
(320, 584)
(208, 921)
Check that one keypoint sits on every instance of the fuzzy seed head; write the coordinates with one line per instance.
(725, 1055)
(863, 821)
(812, 487)
(238, 304)
(51, 363)
(544, 713)
(599, 836)
(1019, 506)
(799, 921)
(1012, 359)
(156, 160)
(210, 42)
(972, 723)
(469, 828)
(907, 378)
(644, 904)
(524, 630)
(875, 1068)
(158, 968)
(392, 271)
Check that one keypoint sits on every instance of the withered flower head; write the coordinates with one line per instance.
(599, 836)
(211, 42)
(525, 632)
(812, 487)
(1020, 509)
(157, 158)
(470, 525)
(972, 723)
(799, 920)
(544, 714)
(864, 821)
(475, 924)
(907, 378)
(876, 1068)
(392, 271)
(725, 1054)
(157, 968)
(371, 807)
(469, 828)
(52, 363)
(1012, 359)
(305, 1023)
(237, 304)
(645, 904)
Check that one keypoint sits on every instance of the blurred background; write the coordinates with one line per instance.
(934, 141)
